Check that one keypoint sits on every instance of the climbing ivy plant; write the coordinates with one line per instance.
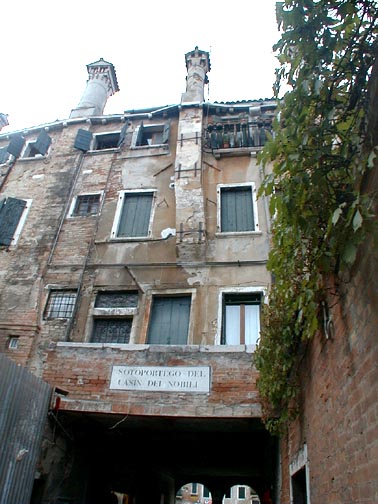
(313, 168)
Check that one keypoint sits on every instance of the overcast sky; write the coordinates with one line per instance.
(47, 44)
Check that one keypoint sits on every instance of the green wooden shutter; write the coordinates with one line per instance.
(16, 144)
(42, 143)
(122, 135)
(10, 215)
(4, 154)
(135, 217)
(166, 133)
(237, 209)
(83, 140)
(169, 322)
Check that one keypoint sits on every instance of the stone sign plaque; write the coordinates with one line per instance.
(161, 379)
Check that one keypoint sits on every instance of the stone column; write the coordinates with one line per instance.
(101, 83)
(190, 213)
(197, 64)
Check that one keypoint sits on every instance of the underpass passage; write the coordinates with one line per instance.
(148, 459)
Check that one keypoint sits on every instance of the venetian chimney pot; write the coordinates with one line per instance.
(101, 83)
(197, 64)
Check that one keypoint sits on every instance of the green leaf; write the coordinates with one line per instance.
(357, 220)
(349, 254)
(336, 215)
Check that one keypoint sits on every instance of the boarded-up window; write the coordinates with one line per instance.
(237, 209)
(241, 318)
(135, 214)
(169, 323)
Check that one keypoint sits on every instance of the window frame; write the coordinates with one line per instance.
(110, 313)
(220, 188)
(74, 201)
(241, 489)
(169, 293)
(59, 291)
(243, 291)
(96, 136)
(44, 139)
(18, 229)
(119, 212)
(155, 127)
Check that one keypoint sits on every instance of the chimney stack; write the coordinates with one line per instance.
(197, 64)
(101, 83)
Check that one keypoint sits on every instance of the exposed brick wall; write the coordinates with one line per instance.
(339, 410)
(85, 370)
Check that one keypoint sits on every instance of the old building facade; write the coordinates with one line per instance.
(134, 251)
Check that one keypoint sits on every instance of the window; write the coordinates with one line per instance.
(241, 318)
(238, 208)
(85, 204)
(39, 147)
(106, 141)
(235, 134)
(206, 492)
(241, 492)
(151, 134)
(13, 213)
(85, 140)
(111, 330)
(133, 215)
(299, 487)
(194, 489)
(60, 304)
(113, 316)
(169, 322)
(13, 342)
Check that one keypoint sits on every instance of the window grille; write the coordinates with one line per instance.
(128, 299)
(86, 204)
(111, 330)
(60, 304)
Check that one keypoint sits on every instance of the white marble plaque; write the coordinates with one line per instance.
(161, 379)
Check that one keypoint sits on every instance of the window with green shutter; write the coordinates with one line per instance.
(12, 215)
(133, 215)
(169, 322)
(38, 147)
(151, 135)
(237, 209)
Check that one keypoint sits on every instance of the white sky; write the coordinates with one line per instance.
(46, 45)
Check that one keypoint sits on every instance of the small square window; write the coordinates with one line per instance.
(86, 204)
(106, 141)
(38, 147)
(60, 304)
(151, 135)
(13, 342)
